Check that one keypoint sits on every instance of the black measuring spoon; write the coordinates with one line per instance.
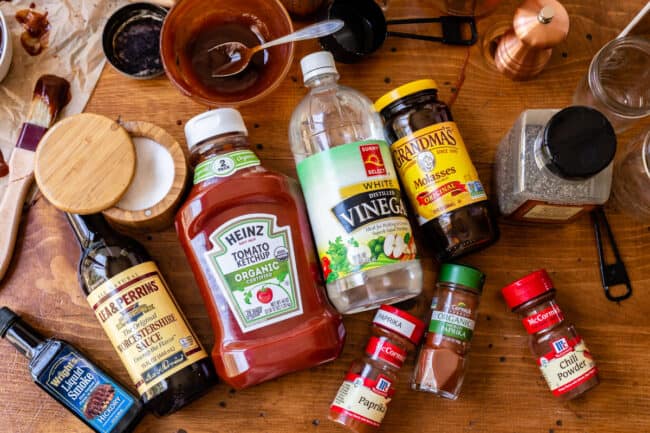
(366, 29)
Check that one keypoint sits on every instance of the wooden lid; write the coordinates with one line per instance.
(85, 163)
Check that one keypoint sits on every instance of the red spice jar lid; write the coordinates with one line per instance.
(527, 288)
(400, 322)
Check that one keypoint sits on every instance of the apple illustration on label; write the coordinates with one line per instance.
(265, 295)
(394, 246)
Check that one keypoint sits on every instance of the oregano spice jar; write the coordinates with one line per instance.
(434, 166)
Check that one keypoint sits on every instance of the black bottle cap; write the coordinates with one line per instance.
(580, 142)
(7, 318)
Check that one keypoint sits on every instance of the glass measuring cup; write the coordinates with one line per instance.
(618, 82)
(631, 186)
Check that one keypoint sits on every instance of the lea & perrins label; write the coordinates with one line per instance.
(145, 325)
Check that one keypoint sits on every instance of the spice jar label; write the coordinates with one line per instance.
(385, 350)
(436, 171)
(393, 321)
(535, 210)
(145, 325)
(225, 165)
(355, 207)
(451, 325)
(364, 400)
(544, 319)
(568, 365)
(253, 260)
(92, 395)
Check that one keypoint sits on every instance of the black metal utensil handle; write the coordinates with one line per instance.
(451, 29)
(611, 274)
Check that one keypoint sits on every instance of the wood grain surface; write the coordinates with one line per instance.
(503, 390)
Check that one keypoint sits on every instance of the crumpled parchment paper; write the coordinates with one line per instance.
(74, 52)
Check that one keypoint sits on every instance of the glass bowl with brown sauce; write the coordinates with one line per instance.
(192, 27)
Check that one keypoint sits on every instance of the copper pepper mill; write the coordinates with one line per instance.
(525, 49)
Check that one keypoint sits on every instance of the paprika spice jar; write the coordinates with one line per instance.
(562, 356)
(436, 171)
(362, 399)
(441, 364)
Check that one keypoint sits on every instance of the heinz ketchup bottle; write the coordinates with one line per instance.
(246, 234)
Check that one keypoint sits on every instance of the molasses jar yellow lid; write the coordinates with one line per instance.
(404, 91)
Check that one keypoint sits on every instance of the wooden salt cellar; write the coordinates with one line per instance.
(88, 162)
(162, 214)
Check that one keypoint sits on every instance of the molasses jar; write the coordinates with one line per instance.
(436, 171)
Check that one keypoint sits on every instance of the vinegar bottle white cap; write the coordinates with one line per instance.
(321, 62)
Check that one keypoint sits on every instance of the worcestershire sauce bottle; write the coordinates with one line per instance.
(135, 307)
(75, 382)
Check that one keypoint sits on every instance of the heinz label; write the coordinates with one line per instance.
(253, 260)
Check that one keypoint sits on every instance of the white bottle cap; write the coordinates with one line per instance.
(212, 123)
(318, 63)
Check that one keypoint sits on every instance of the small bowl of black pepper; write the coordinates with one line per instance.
(131, 40)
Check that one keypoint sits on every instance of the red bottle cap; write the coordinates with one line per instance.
(527, 288)
(400, 322)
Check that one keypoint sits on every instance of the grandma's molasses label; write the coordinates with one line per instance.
(436, 171)
(85, 390)
(253, 260)
(355, 208)
(568, 365)
(145, 325)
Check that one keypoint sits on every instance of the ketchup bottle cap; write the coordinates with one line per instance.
(400, 322)
(213, 123)
(527, 288)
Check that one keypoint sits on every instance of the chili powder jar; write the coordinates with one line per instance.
(440, 368)
(362, 399)
(436, 171)
(562, 356)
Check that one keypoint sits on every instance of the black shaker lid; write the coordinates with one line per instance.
(580, 142)
(7, 318)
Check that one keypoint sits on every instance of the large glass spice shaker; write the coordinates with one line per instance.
(616, 83)
(362, 399)
(554, 165)
(562, 356)
(436, 171)
(631, 187)
(440, 367)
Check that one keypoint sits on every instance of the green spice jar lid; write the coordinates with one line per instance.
(467, 276)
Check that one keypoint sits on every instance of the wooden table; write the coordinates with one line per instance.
(503, 390)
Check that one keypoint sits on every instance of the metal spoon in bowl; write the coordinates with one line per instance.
(239, 55)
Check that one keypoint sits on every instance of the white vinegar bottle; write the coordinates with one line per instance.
(359, 221)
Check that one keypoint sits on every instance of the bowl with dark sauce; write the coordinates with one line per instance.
(131, 40)
(6, 47)
(192, 27)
